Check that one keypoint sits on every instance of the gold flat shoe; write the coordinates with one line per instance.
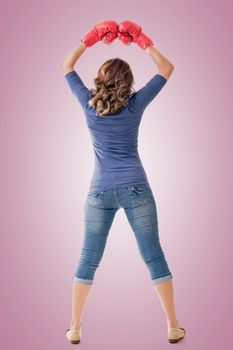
(175, 334)
(73, 335)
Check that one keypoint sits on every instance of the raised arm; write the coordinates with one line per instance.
(71, 58)
(132, 32)
(129, 32)
(149, 91)
(105, 31)
(165, 67)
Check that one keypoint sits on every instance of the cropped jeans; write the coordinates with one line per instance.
(140, 208)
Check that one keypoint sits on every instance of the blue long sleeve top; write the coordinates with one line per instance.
(115, 136)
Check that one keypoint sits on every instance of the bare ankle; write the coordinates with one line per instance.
(173, 324)
(75, 326)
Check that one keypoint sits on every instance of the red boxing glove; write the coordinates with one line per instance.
(90, 38)
(105, 31)
(125, 38)
(129, 31)
(144, 41)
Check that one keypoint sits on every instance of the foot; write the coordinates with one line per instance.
(175, 334)
(73, 336)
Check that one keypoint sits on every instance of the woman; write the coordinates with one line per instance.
(113, 113)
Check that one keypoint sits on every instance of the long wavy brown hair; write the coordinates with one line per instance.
(113, 87)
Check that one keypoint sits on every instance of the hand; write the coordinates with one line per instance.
(129, 31)
(105, 31)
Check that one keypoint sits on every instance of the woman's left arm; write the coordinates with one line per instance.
(71, 58)
(105, 31)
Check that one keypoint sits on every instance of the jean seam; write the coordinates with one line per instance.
(168, 274)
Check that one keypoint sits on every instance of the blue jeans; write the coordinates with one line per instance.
(140, 208)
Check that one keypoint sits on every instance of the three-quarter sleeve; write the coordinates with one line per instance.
(147, 93)
(79, 90)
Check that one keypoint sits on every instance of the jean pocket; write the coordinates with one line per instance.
(96, 199)
(140, 194)
(140, 188)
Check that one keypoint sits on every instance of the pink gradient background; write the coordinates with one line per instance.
(185, 144)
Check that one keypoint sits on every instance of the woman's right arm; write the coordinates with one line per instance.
(151, 89)
(165, 67)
